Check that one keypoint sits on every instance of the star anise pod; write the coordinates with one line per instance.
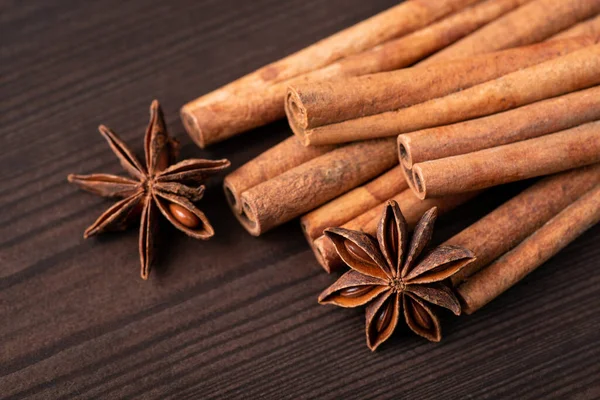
(159, 186)
(395, 275)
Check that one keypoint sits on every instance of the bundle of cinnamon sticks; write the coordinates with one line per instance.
(395, 38)
(427, 103)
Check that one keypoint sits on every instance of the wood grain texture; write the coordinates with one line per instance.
(236, 317)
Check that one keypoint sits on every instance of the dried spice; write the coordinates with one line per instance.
(160, 186)
(396, 275)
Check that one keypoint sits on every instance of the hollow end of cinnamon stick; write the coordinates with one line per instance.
(296, 115)
(247, 217)
(409, 178)
(420, 189)
(243, 214)
(404, 154)
(232, 195)
(415, 180)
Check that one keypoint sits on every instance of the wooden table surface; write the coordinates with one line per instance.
(235, 317)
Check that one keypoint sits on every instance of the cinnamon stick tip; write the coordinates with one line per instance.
(191, 125)
(410, 180)
(418, 181)
(294, 109)
(404, 156)
(232, 197)
(296, 115)
(465, 306)
(247, 217)
(319, 246)
(305, 230)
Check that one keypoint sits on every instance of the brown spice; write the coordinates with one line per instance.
(314, 183)
(396, 275)
(509, 224)
(530, 23)
(548, 154)
(589, 27)
(278, 159)
(532, 252)
(533, 120)
(352, 204)
(406, 50)
(257, 98)
(375, 105)
(157, 186)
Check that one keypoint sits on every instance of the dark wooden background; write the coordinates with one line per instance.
(235, 317)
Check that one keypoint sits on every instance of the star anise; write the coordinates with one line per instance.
(396, 276)
(157, 186)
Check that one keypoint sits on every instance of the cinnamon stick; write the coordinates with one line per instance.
(346, 207)
(548, 154)
(530, 23)
(347, 109)
(280, 158)
(313, 183)
(412, 209)
(257, 98)
(538, 248)
(510, 223)
(588, 27)
(522, 123)
(406, 50)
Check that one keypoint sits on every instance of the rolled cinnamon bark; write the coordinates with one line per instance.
(535, 250)
(349, 205)
(548, 154)
(314, 183)
(364, 103)
(510, 223)
(530, 23)
(280, 158)
(257, 98)
(412, 209)
(589, 27)
(392, 55)
(522, 123)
